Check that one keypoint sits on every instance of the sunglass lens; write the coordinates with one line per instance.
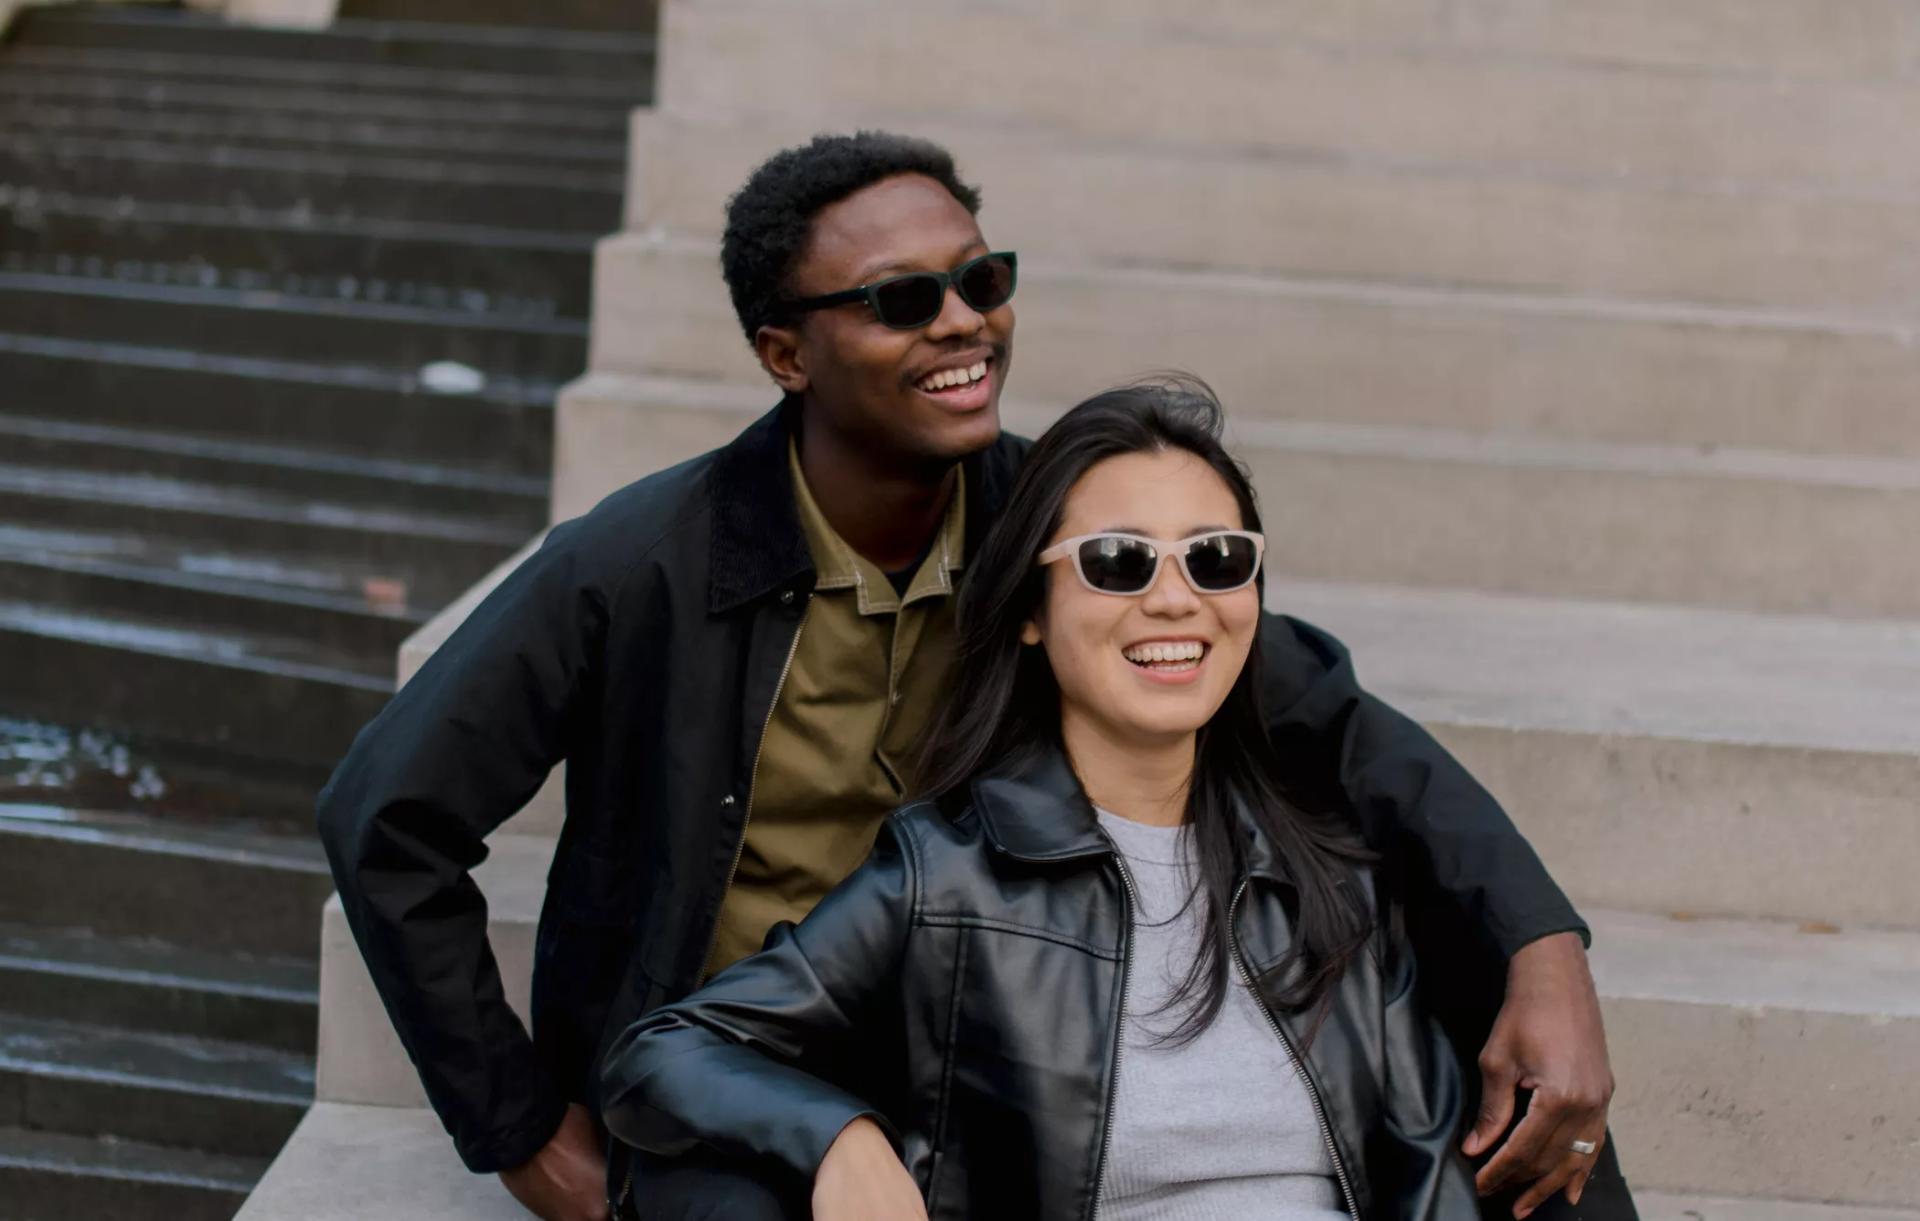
(905, 302)
(1117, 565)
(1221, 562)
(987, 283)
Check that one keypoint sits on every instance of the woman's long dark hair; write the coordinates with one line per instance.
(1005, 704)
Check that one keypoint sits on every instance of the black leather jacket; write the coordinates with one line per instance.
(909, 995)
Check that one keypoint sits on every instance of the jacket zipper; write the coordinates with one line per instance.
(740, 848)
(1120, 1027)
(1293, 1053)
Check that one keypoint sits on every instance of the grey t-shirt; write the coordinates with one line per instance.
(1221, 1128)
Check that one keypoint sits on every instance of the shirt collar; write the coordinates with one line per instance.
(838, 566)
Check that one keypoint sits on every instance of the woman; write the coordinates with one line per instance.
(1103, 964)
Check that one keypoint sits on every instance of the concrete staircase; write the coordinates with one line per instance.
(1572, 346)
(281, 320)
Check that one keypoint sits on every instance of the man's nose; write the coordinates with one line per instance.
(956, 320)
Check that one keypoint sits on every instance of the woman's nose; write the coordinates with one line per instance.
(1170, 594)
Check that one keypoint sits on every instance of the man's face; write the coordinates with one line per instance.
(873, 386)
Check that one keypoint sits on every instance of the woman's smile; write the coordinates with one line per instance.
(1168, 659)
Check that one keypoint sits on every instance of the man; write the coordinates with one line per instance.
(736, 658)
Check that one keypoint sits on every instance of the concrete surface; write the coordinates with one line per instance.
(360, 1058)
(1275, 92)
(1666, 759)
(1432, 507)
(611, 428)
(1861, 40)
(1664, 1206)
(405, 1170)
(1316, 215)
(1357, 352)
(1763, 1060)
(353, 1163)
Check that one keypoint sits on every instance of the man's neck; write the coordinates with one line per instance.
(886, 512)
(1146, 782)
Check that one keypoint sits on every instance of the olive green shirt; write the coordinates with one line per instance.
(869, 668)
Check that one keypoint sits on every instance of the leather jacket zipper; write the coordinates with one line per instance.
(739, 848)
(1120, 1026)
(1299, 1062)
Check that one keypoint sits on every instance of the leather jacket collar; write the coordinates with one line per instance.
(1033, 809)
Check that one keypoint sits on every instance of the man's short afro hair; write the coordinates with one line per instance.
(769, 219)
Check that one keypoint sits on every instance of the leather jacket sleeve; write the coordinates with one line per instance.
(1418, 1171)
(727, 1068)
(463, 746)
(1403, 785)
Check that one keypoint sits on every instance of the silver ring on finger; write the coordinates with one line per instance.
(1585, 1148)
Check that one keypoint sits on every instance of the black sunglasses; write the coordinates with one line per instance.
(915, 299)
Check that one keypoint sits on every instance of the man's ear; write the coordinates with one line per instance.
(778, 348)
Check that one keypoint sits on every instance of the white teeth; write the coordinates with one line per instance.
(1184, 650)
(954, 377)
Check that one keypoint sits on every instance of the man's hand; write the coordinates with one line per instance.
(861, 1179)
(1547, 1039)
(567, 1179)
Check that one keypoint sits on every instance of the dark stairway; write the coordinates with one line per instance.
(282, 316)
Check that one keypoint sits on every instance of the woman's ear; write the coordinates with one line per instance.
(1029, 632)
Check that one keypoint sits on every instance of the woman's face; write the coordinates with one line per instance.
(1101, 645)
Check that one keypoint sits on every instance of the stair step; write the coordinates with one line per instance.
(261, 696)
(330, 137)
(342, 109)
(1283, 94)
(403, 1166)
(1763, 1059)
(187, 1093)
(1749, 530)
(215, 889)
(1602, 369)
(622, 15)
(1637, 746)
(1308, 214)
(61, 765)
(516, 503)
(173, 68)
(1666, 1206)
(52, 1174)
(359, 633)
(1784, 38)
(345, 410)
(74, 976)
(1438, 508)
(510, 273)
(599, 54)
(423, 559)
(267, 324)
(278, 180)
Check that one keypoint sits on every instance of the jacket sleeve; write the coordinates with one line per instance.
(464, 745)
(1418, 1171)
(1403, 784)
(727, 1068)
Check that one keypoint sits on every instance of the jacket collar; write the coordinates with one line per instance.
(1033, 809)
(758, 546)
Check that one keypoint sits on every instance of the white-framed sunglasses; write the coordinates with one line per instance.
(1216, 562)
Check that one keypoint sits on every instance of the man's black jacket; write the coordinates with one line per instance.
(643, 644)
